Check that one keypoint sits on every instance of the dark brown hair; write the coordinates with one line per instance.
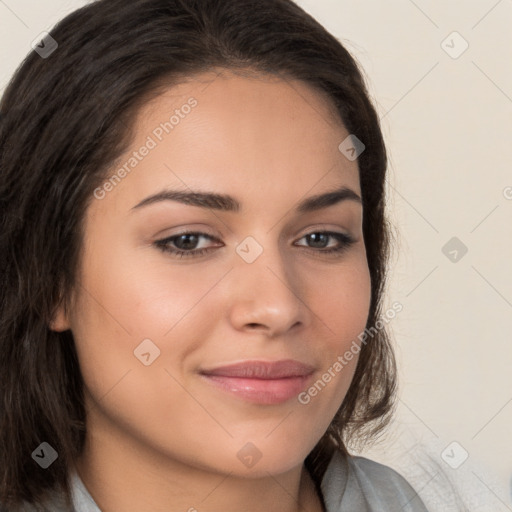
(66, 119)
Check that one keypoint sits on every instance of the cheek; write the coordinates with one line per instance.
(144, 298)
(342, 305)
(142, 295)
(119, 307)
(124, 301)
(342, 302)
(183, 309)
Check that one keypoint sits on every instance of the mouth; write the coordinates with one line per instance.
(261, 382)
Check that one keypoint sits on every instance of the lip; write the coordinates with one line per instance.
(261, 382)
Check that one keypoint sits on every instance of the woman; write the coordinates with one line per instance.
(194, 247)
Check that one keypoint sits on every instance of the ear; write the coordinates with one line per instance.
(60, 319)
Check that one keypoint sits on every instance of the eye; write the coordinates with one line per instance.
(188, 244)
(185, 244)
(319, 241)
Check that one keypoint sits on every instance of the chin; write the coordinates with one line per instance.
(259, 458)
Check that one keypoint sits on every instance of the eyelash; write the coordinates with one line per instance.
(345, 242)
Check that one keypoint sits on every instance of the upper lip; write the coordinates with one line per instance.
(285, 368)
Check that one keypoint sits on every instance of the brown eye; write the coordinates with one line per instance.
(320, 240)
(185, 244)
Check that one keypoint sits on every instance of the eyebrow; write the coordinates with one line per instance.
(223, 202)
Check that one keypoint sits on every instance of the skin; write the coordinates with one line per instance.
(160, 437)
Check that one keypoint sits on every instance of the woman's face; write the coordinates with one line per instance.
(173, 348)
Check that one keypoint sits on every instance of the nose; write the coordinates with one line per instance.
(267, 295)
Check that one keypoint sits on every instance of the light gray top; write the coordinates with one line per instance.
(357, 484)
(353, 484)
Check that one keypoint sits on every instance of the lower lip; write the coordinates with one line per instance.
(260, 391)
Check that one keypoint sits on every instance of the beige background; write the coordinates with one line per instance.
(447, 119)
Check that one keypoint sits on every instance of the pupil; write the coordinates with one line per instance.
(190, 241)
(318, 239)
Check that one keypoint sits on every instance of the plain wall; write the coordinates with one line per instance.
(447, 120)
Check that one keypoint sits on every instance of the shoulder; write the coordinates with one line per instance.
(360, 482)
(382, 478)
(386, 485)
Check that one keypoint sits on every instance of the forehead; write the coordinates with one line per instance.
(248, 92)
(242, 134)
